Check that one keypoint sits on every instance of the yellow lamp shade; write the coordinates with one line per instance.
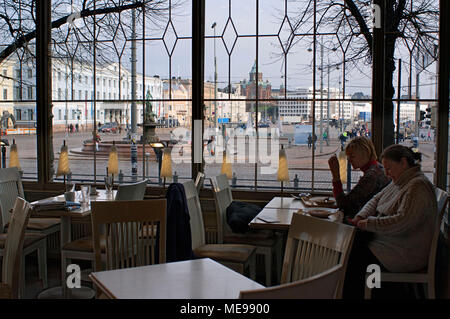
(14, 156)
(342, 158)
(283, 171)
(166, 166)
(63, 164)
(113, 161)
(226, 166)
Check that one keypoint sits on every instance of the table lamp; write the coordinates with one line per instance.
(226, 166)
(342, 158)
(113, 162)
(283, 171)
(14, 156)
(166, 167)
(63, 164)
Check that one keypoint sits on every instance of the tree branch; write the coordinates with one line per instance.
(23, 39)
(360, 20)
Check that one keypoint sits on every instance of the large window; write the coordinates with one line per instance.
(148, 50)
(278, 74)
(18, 83)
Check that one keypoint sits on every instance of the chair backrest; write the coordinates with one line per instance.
(12, 255)
(320, 286)
(199, 181)
(135, 191)
(223, 198)
(195, 212)
(135, 233)
(315, 245)
(442, 198)
(10, 189)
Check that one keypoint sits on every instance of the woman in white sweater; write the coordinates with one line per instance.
(397, 223)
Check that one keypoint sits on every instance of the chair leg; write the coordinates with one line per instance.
(416, 289)
(279, 260)
(268, 266)
(431, 290)
(42, 264)
(367, 290)
(252, 266)
(64, 262)
(22, 278)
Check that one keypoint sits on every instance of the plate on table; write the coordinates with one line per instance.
(320, 201)
(301, 195)
(321, 212)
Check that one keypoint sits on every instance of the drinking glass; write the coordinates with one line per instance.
(85, 193)
(108, 184)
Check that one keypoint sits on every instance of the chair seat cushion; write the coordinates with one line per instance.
(225, 252)
(30, 238)
(262, 237)
(85, 244)
(41, 223)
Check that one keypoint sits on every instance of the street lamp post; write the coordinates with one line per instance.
(328, 103)
(321, 97)
(215, 75)
(66, 97)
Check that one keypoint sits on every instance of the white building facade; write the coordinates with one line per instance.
(73, 98)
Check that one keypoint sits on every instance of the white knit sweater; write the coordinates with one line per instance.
(402, 216)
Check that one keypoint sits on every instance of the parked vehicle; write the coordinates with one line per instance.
(109, 128)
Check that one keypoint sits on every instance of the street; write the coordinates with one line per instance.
(299, 159)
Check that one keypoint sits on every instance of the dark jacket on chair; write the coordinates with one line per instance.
(179, 241)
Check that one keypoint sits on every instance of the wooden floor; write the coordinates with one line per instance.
(392, 291)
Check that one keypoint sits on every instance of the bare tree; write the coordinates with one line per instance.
(411, 24)
(77, 26)
(74, 23)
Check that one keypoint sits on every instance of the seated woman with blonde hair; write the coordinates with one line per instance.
(361, 155)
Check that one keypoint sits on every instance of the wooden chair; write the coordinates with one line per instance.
(235, 256)
(199, 181)
(314, 246)
(83, 248)
(424, 276)
(124, 245)
(12, 259)
(37, 231)
(135, 191)
(267, 242)
(321, 286)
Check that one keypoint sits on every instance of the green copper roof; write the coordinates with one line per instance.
(253, 68)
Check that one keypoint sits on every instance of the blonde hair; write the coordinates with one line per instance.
(363, 144)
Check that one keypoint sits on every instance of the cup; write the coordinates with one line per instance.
(85, 193)
(93, 190)
(69, 196)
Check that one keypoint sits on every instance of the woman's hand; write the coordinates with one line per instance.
(362, 224)
(333, 163)
(354, 221)
(358, 222)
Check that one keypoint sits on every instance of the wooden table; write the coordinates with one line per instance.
(191, 279)
(277, 214)
(66, 235)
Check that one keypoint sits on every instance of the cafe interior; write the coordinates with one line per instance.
(143, 214)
